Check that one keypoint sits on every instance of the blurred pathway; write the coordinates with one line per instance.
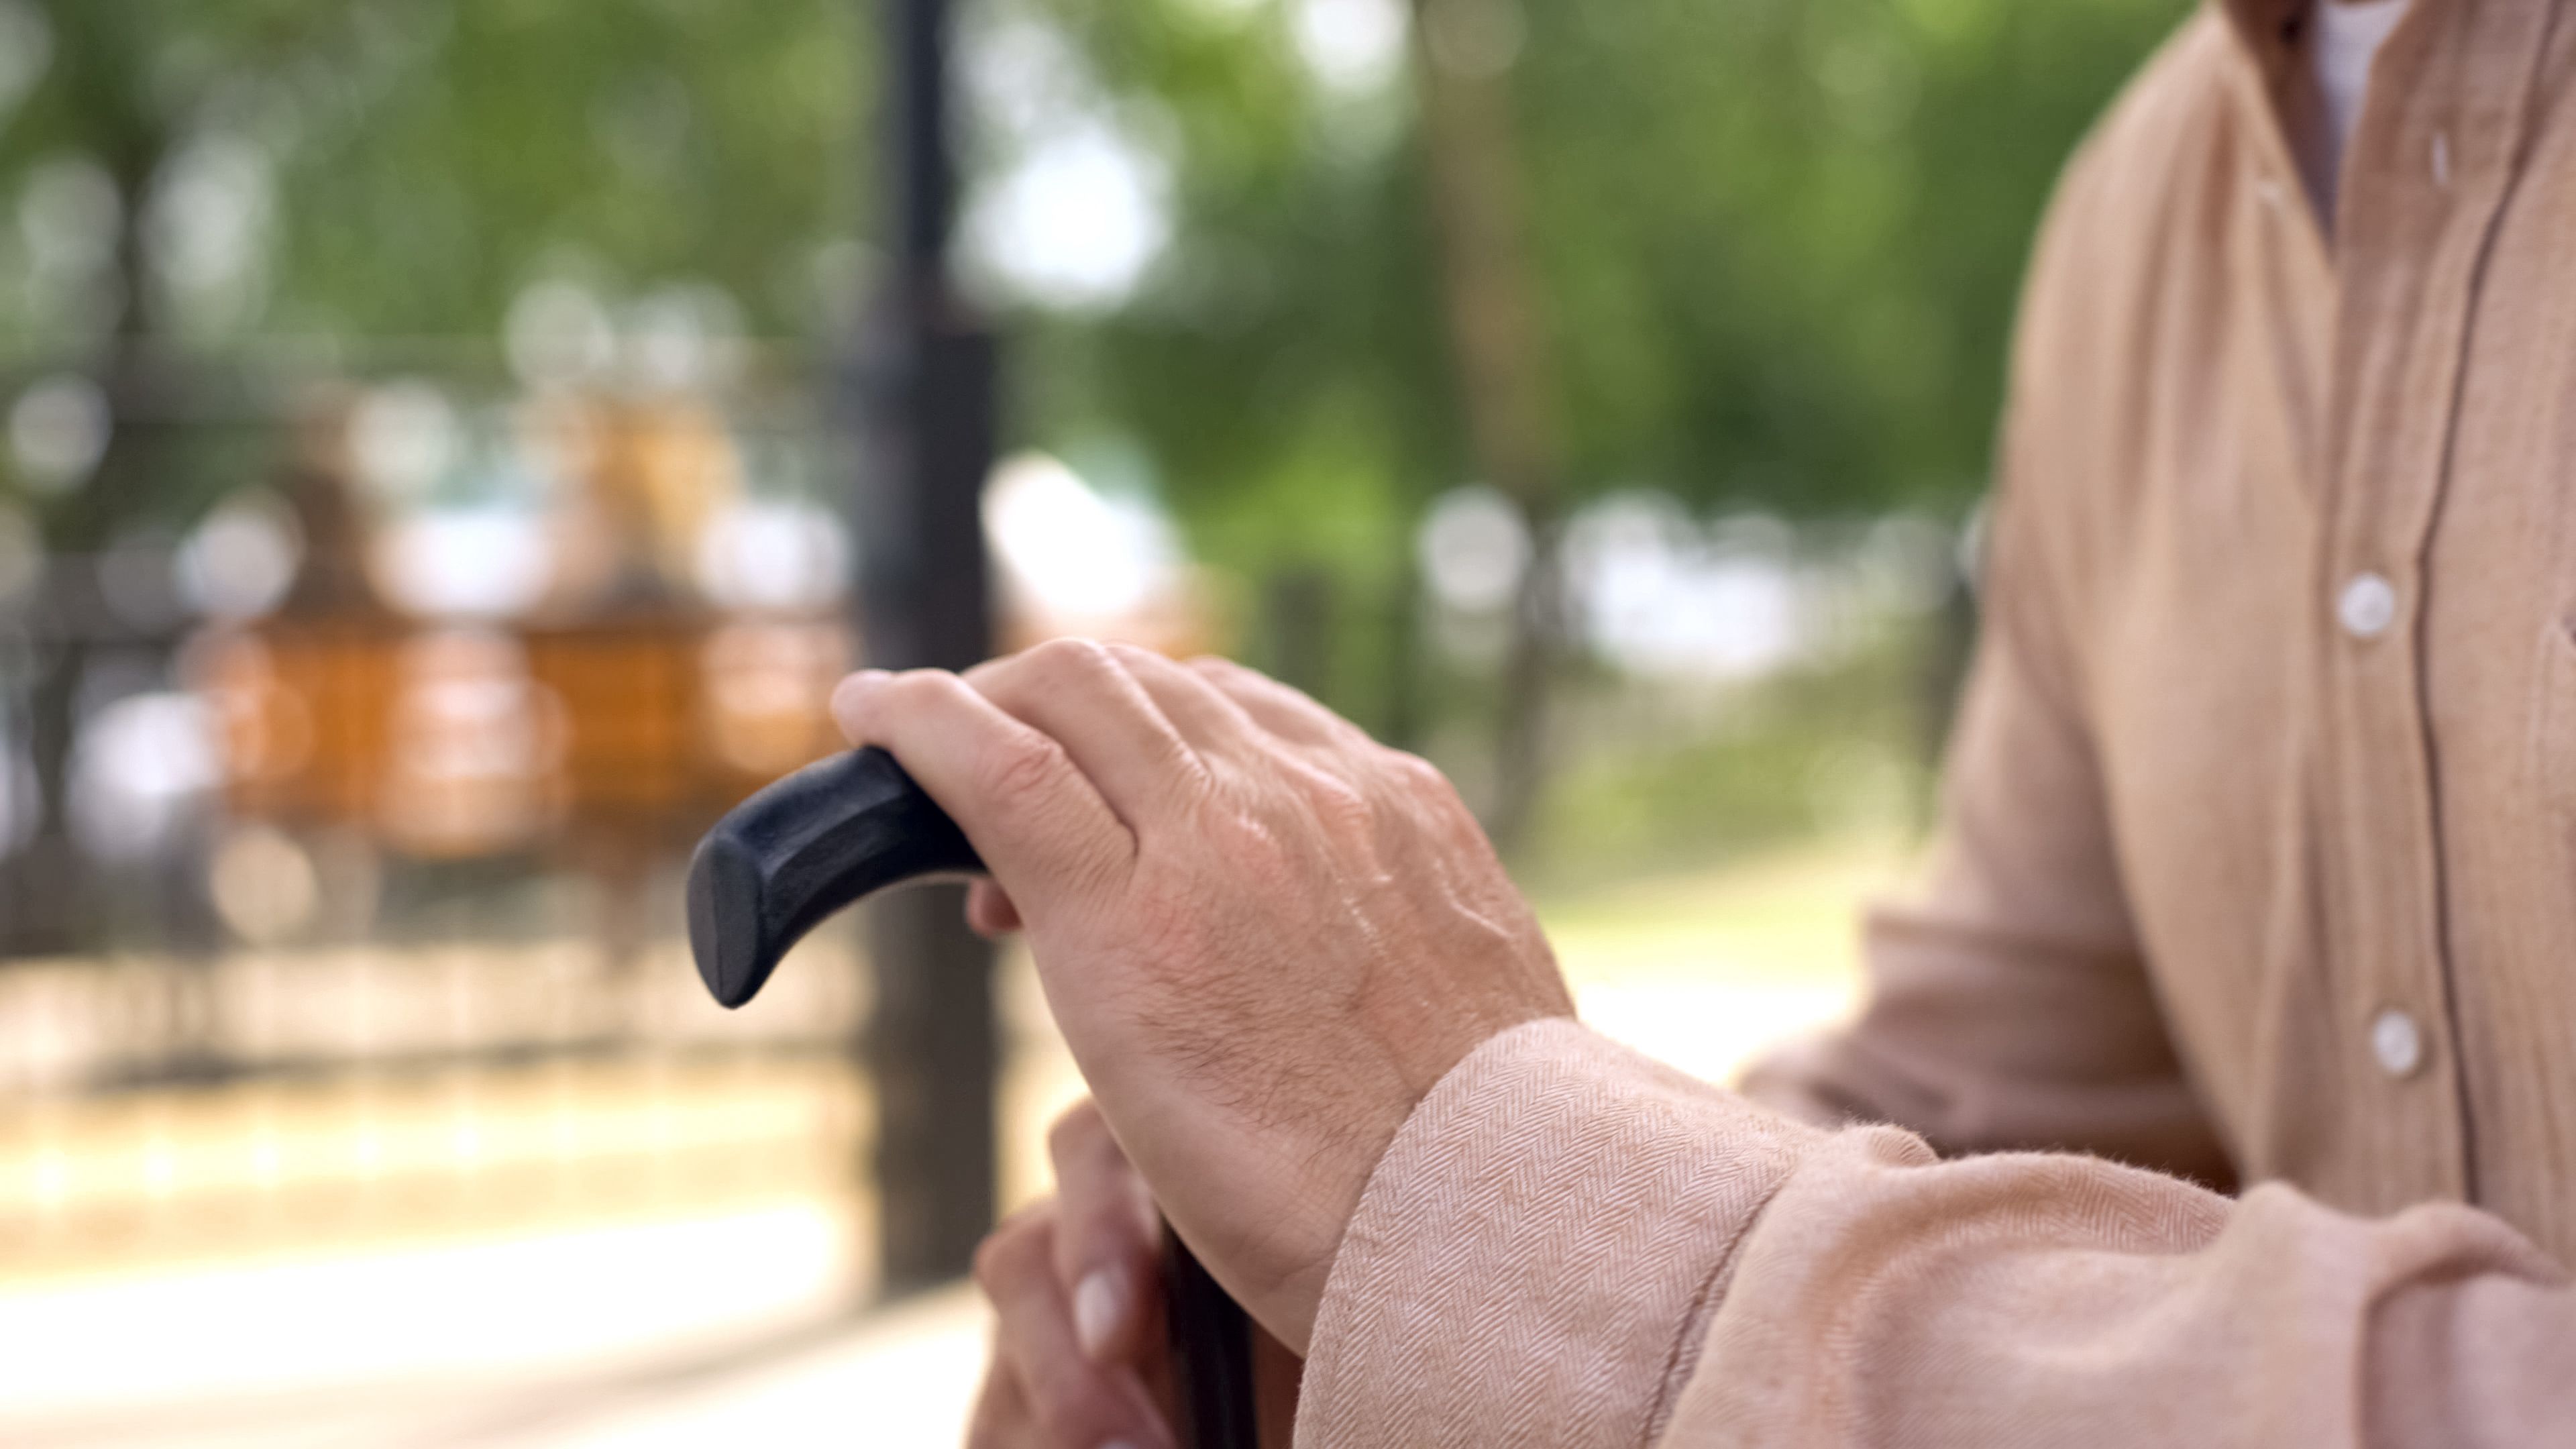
(693, 1290)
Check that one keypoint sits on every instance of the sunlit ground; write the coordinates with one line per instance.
(623, 1253)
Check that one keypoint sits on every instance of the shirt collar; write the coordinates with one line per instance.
(2269, 30)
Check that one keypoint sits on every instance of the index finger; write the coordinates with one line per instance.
(1035, 819)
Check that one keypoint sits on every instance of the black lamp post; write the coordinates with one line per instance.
(923, 383)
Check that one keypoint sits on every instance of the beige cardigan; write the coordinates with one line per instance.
(1569, 1244)
(2258, 865)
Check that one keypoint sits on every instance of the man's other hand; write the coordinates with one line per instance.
(1075, 1285)
(1263, 935)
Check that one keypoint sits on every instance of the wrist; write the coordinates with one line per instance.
(1302, 1230)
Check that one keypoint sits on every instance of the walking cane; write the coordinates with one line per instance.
(846, 828)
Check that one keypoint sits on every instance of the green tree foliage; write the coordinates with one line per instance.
(1778, 238)
(653, 140)
(1284, 363)
(415, 162)
(1785, 235)
(1780, 241)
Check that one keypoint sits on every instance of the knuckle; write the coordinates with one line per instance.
(990, 1258)
(1026, 768)
(1338, 801)
(915, 688)
(1132, 654)
(1417, 775)
(1236, 683)
(988, 1267)
(1071, 662)
(1010, 1252)
(1245, 844)
(1074, 1133)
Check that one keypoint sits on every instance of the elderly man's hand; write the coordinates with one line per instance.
(1080, 1359)
(1264, 936)
(1074, 1282)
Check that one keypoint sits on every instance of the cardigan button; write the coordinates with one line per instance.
(2396, 1043)
(2367, 606)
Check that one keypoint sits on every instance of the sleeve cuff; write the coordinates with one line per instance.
(1537, 1249)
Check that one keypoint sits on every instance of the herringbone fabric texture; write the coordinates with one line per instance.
(1569, 1244)
(1574, 1202)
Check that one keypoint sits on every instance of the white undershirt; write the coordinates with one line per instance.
(2344, 39)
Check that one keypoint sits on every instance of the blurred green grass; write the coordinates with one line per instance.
(1836, 753)
(1789, 916)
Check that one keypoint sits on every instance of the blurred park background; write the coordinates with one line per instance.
(452, 445)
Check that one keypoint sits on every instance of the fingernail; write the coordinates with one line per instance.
(1119, 1444)
(1097, 1306)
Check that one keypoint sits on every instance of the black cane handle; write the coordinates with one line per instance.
(780, 862)
(807, 845)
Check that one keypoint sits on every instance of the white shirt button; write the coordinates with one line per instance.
(2396, 1043)
(2367, 606)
